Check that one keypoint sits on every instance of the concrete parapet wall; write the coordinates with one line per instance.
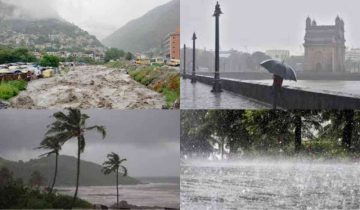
(300, 75)
(290, 98)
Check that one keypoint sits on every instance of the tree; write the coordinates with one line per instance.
(113, 164)
(37, 180)
(283, 125)
(50, 60)
(50, 143)
(5, 176)
(344, 124)
(129, 56)
(73, 125)
(113, 54)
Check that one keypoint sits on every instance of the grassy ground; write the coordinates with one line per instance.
(11, 88)
(162, 80)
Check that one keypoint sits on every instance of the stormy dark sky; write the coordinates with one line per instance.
(263, 24)
(148, 139)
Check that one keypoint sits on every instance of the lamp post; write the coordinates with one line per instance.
(193, 78)
(217, 87)
(184, 75)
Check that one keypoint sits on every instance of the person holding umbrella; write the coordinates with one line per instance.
(281, 71)
(276, 88)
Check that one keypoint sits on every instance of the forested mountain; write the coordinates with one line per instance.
(18, 27)
(90, 174)
(147, 31)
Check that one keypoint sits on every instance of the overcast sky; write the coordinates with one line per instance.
(98, 17)
(263, 24)
(149, 140)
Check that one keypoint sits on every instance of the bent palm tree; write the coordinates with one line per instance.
(51, 143)
(113, 165)
(71, 126)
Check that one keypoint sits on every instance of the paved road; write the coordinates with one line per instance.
(199, 96)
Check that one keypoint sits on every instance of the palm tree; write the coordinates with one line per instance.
(51, 143)
(112, 165)
(71, 126)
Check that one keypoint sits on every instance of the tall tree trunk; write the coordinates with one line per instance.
(222, 149)
(78, 174)
(298, 132)
(348, 129)
(56, 167)
(117, 187)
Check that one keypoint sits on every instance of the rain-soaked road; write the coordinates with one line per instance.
(269, 185)
(199, 96)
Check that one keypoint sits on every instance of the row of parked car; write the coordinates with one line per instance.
(26, 68)
(158, 62)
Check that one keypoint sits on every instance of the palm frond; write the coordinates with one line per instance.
(124, 170)
(100, 129)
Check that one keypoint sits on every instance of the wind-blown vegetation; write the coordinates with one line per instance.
(113, 164)
(15, 195)
(52, 144)
(298, 133)
(73, 125)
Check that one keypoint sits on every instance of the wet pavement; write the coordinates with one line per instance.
(199, 96)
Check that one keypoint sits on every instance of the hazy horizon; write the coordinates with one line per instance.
(99, 18)
(264, 25)
(151, 149)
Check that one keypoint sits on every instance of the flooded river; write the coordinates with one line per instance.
(269, 185)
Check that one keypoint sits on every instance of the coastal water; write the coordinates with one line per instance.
(162, 192)
(337, 87)
(269, 185)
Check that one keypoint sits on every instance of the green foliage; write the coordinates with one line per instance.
(129, 56)
(8, 91)
(22, 54)
(113, 54)
(295, 133)
(18, 196)
(50, 60)
(19, 84)
(117, 64)
(161, 80)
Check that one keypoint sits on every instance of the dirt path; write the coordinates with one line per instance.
(88, 87)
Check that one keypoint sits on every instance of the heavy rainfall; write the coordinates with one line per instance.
(226, 47)
(270, 159)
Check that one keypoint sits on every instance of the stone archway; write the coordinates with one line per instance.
(318, 67)
(318, 58)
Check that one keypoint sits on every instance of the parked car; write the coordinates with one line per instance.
(174, 62)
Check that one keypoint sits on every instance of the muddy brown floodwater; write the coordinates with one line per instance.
(88, 87)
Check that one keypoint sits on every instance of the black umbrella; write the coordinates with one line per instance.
(279, 68)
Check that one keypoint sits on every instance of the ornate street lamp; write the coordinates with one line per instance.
(217, 87)
(184, 75)
(193, 78)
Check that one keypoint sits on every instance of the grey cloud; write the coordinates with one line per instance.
(148, 139)
(261, 25)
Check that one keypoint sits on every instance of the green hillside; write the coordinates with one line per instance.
(90, 172)
(148, 31)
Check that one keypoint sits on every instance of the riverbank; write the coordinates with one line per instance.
(163, 80)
